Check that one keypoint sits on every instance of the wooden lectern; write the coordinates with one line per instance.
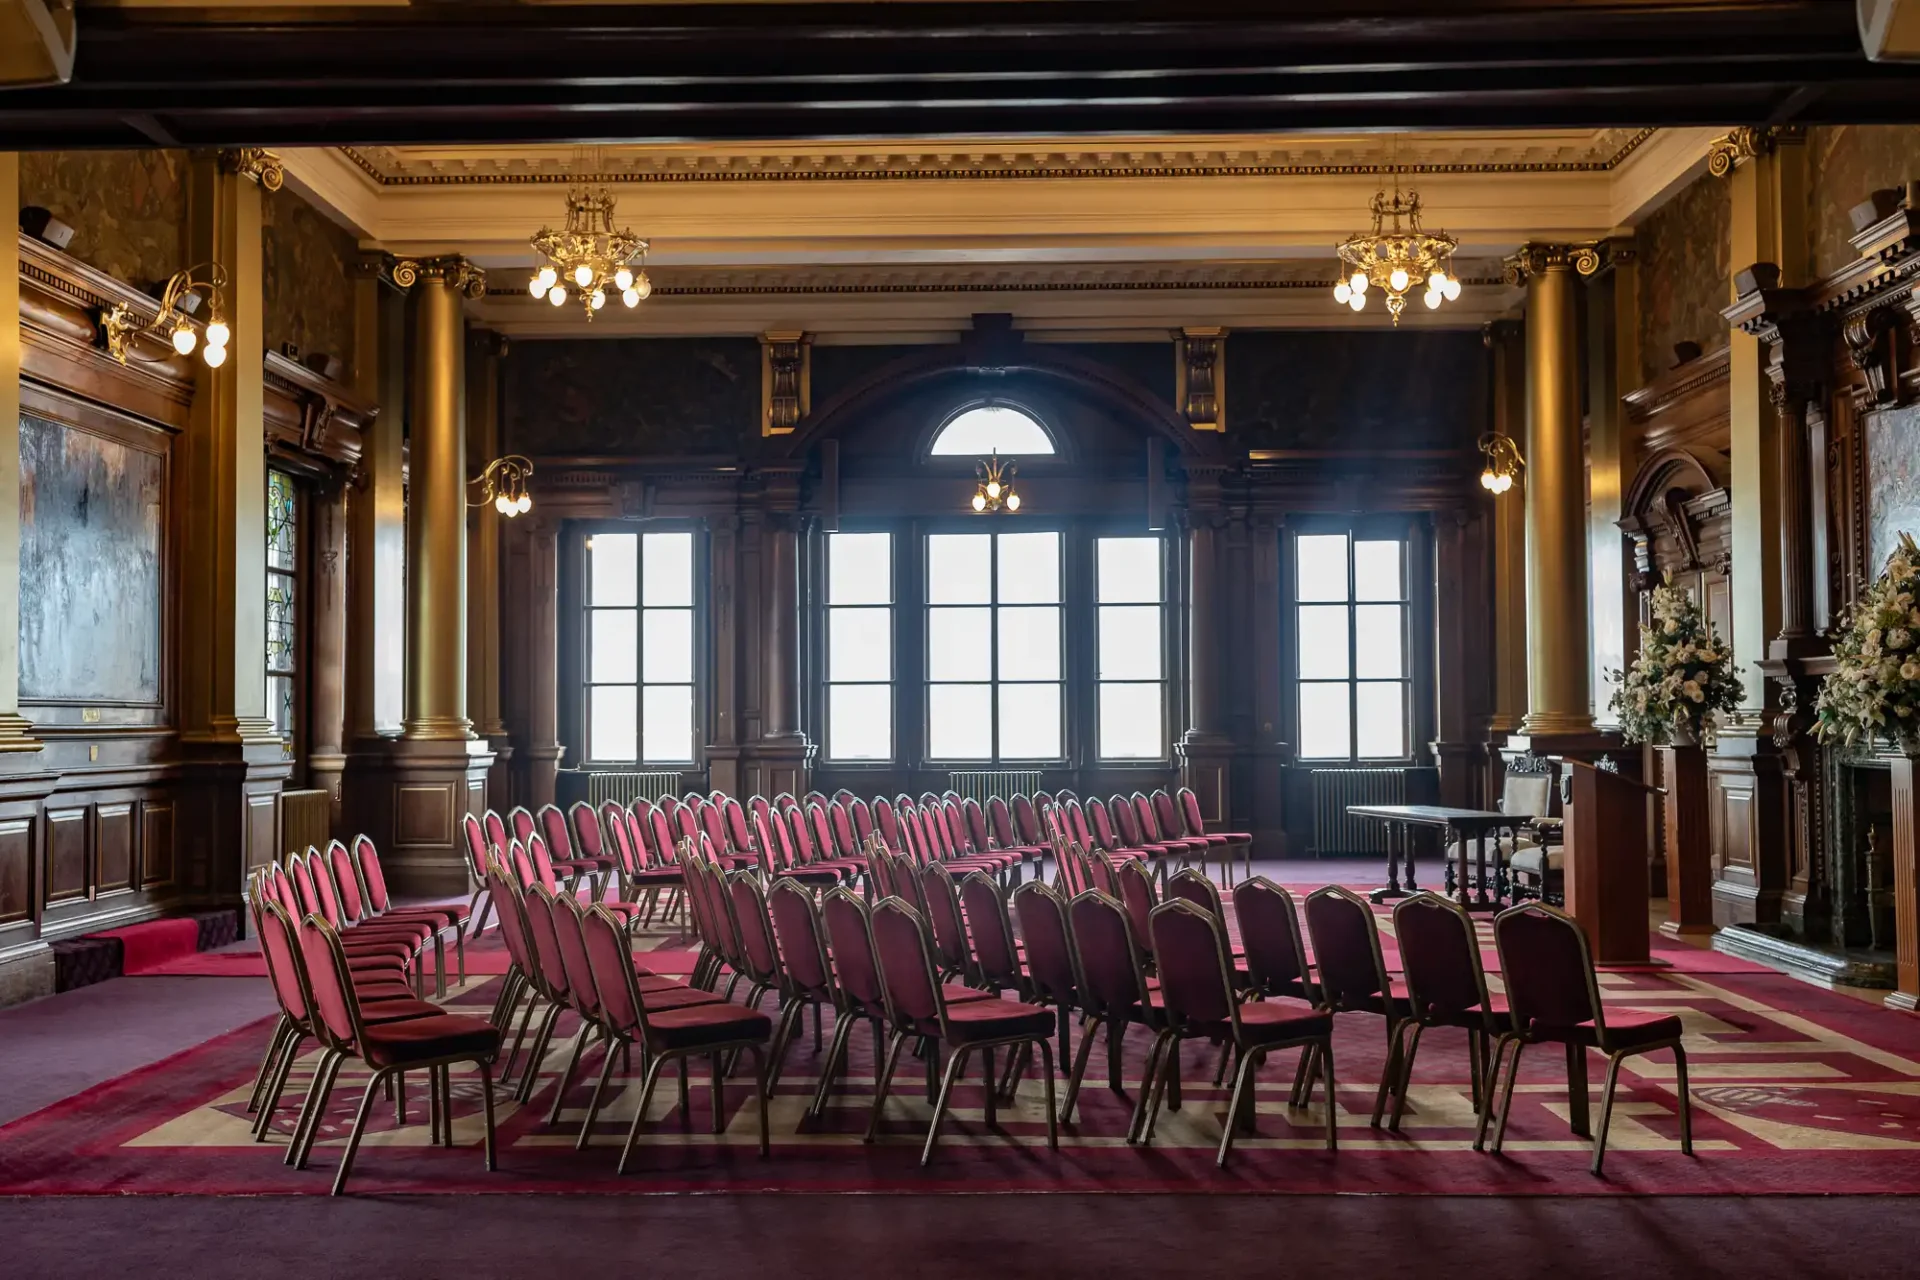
(1606, 860)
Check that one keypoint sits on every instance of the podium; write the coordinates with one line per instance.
(1606, 860)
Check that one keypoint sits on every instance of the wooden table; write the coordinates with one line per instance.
(1473, 826)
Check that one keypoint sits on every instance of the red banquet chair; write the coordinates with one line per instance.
(917, 1009)
(445, 918)
(1353, 972)
(1111, 976)
(1446, 987)
(1554, 998)
(1196, 991)
(317, 895)
(1192, 824)
(1276, 956)
(806, 973)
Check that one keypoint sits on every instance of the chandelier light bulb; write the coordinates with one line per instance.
(524, 505)
(1433, 300)
(642, 285)
(1358, 301)
(537, 287)
(631, 297)
(548, 278)
(1489, 481)
(183, 338)
(218, 333)
(503, 504)
(1358, 283)
(1013, 502)
(623, 279)
(1453, 288)
(979, 502)
(1398, 279)
(583, 275)
(1341, 292)
(557, 295)
(599, 299)
(1437, 281)
(993, 489)
(214, 356)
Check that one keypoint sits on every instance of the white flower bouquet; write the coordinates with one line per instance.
(1874, 690)
(1683, 674)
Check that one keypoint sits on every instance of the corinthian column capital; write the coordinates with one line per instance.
(1532, 260)
(453, 270)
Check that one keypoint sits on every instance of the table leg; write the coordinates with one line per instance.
(1480, 866)
(1396, 843)
(1406, 837)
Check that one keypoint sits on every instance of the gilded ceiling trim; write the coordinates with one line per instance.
(1036, 286)
(933, 165)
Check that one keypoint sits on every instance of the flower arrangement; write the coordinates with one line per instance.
(1874, 690)
(1684, 673)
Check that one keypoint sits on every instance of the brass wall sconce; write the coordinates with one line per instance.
(995, 490)
(1504, 463)
(504, 484)
(121, 324)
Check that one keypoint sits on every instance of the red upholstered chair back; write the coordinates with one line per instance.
(906, 882)
(522, 865)
(666, 847)
(542, 865)
(1440, 954)
(1190, 955)
(372, 876)
(1062, 796)
(719, 912)
(714, 823)
(757, 946)
(692, 872)
(1000, 824)
(880, 874)
(1090, 826)
(496, 832)
(304, 884)
(977, 832)
(1269, 935)
(1190, 810)
(546, 941)
(1547, 968)
(523, 823)
(611, 963)
(513, 917)
(588, 840)
(1026, 820)
(566, 913)
(1148, 820)
(553, 825)
(327, 982)
(670, 806)
(281, 953)
(475, 833)
(801, 938)
(1136, 892)
(905, 953)
(799, 837)
(757, 806)
(850, 935)
(764, 842)
(346, 880)
(325, 890)
(1111, 972)
(820, 827)
(281, 889)
(862, 820)
(1166, 815)
(1346, 947)
(992, 929)
(1191, 885)
(815, 797)
(1126, 822)
(633, 821)
(1043, 927)
(735, 818)
(613, 818)
(686, 823)
(1102, 875)
(846, 841)
(958, 842)
(943, 913)
(928, 800)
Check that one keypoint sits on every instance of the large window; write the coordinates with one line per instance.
(860, 646)
(283, 575)
(640, 657)
(1350, 612)
(993, 646)
(990, 428)
(1128, 586)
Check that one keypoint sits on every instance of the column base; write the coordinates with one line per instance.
(1556, 724)
(229, 813)
(326, 770)
(410, 798)
(775, 764)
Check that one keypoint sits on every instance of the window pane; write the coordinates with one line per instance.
(980, 431)
(1129, 570)
(1320, 566)
(860, 644)
(860, 722)
(1376, 571)
(611, 715)
(1029, 721)
(960, 722)
(1130, 726)
(615, 656)
(859, 568)
(1030, 644)
(282, 521)
(613, 568)
(959, 644)
(958, 571)
(668, 576)
(1377, 641)
(666, 646)
(1323, 642)
(1129, 642)
(1382, 720)
(1324, 722)
(282, 631)
(667, 729)
(1029, 568)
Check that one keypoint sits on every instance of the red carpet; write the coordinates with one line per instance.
(151, 947)
(485, 958)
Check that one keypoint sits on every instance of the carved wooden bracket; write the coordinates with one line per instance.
(786, 381)
(1870, 338)
(1200, 378)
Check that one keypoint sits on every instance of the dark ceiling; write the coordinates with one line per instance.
(485, 72)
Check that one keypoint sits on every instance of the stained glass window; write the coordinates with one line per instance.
(283, 544)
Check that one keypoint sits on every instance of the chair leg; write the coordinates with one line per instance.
(1577, 1090)
(282, 1027)
(1324, 1055)
(566, 1075)
(307, 1130)
(599, 1090)
(526, 1019)
(955, 1066)
(646, 1100)
(783, 1035)
(1506, 1096)
(1389, 1075)
(353, 1138)
(1116, 1040)
(537, 1055)
(1168, 1086)
(1606, 1112)
(439, 966)
(277, 1084)
(1492, 1077)
(1475, 1045)
(1149, 1084)
(884, 1083)
(1079, 1071)
(1406, 1072)
(486, 1102)
(761, 1069)
(1686, 1104)
(1238, 1106)
(1303, 1078)
(992, 1107)
(460, 949)
(1046, 1063)
(842, 1028)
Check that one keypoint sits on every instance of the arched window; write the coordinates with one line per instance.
(990, 427)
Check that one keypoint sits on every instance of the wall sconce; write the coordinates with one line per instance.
(995, 490)
(504, 484)
(122, 324)
(1504, 463)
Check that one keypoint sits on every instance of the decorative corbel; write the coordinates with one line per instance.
(257, 164)
(786, 380)
(1869, 336)
(1530, 260)
(456, 269)
(377, 264)
(1783, 320)
(1200, 382)
(1747, 142)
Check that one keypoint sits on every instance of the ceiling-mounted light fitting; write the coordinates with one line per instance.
(590, 256)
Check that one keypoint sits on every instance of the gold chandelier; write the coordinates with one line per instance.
(590, 257)
(1395, 255)
(995, 490)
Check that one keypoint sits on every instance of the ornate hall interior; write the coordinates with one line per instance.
(1030, 636)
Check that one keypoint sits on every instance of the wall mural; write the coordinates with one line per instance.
(1893, 481)
(646, 396)
(90, 566)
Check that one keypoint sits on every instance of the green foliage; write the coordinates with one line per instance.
(1683, 674)
(1874, 691)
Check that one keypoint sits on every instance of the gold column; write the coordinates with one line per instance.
(436, 518)
(376, 633)
(1559, 698)
(485, 354)
(1507, 341)
(16, 732)
(327, 688)
(1612, 366)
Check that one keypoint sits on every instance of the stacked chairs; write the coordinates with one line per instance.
(317, 894)
(1192, 824)
(565, 856)
(362, 884)
(1155, 834)
(639, 882)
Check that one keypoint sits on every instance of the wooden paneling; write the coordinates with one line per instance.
(67, 861)
(424, 814)
(156, 844)
(263, 829)
(113, 849)
(1906, 888)
(16, 870)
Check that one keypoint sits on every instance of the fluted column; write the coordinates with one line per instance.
(437, 514)
(1559, 698)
